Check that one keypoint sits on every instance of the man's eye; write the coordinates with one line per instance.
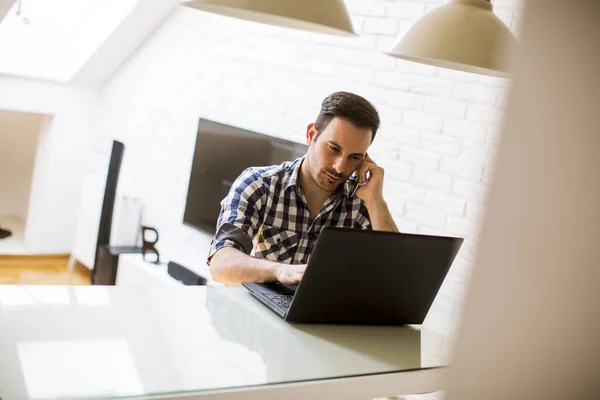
(334, 149)
(357, 157)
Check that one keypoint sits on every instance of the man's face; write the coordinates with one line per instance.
(336, 153)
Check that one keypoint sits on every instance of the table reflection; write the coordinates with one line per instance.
(309, 351)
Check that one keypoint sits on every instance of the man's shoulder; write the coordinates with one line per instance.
(267, 173)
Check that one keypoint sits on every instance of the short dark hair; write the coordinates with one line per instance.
(351, 107)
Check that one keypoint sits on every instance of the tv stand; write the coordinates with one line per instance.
(134, 271)
(106, 268)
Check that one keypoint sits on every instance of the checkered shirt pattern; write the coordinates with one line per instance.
(266, 215)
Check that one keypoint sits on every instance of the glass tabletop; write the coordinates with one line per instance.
(101, 341)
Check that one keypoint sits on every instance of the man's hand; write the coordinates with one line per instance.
(290, 274)
(372, 192)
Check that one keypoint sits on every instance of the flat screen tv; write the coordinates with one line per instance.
(222, 153)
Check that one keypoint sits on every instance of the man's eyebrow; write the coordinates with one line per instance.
(341, 148)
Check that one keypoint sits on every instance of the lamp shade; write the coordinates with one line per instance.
(322, 16)
(464, 35)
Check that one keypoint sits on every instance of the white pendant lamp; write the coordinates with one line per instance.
(464, 35)
(322, 16)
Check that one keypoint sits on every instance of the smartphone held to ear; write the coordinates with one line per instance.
(357, 184)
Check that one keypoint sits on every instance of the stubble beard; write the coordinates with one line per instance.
(319, 178)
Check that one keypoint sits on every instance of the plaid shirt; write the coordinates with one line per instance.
(266, 215)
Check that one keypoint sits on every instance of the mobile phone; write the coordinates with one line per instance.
(357, 184)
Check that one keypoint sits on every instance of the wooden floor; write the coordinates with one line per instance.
(41, 270)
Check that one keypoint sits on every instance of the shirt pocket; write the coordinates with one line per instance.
(277, 244)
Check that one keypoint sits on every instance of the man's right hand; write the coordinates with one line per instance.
(290, 274)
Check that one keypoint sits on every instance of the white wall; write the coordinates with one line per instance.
(57, 176)
(18, 143)
(56, 180)
(439, 127)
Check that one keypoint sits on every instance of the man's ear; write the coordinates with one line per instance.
(311, 133)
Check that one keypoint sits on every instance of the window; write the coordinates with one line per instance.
(52, 39)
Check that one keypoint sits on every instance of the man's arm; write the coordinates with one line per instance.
(372, 195)
(239, 222)
(232, 267)
(381, 218)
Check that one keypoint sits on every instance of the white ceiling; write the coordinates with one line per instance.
(84, 41)
(5, 6)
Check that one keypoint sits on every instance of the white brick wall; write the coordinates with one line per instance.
(438, 126)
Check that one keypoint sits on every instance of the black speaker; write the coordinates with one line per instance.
(184, 275)
(106, 258)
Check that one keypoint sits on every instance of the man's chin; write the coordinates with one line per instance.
(330, 186)
(326, 184)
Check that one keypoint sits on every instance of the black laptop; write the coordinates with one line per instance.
(364, 277)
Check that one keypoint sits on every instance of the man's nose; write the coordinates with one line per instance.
(340, 165)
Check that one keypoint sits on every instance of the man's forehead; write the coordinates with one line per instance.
(347, 135)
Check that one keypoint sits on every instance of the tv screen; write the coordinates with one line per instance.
(222, 153)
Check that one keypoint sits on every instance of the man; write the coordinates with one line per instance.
(282, 209)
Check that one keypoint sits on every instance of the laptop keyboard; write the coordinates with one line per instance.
(282, 300)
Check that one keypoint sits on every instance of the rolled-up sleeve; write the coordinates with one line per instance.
(241, 214)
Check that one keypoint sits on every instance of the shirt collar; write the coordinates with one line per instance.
(291, 179)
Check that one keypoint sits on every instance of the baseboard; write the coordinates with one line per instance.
(83, 269)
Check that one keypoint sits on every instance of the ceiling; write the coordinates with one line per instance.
(55, 40)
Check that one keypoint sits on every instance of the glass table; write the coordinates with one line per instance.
(194, 342)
